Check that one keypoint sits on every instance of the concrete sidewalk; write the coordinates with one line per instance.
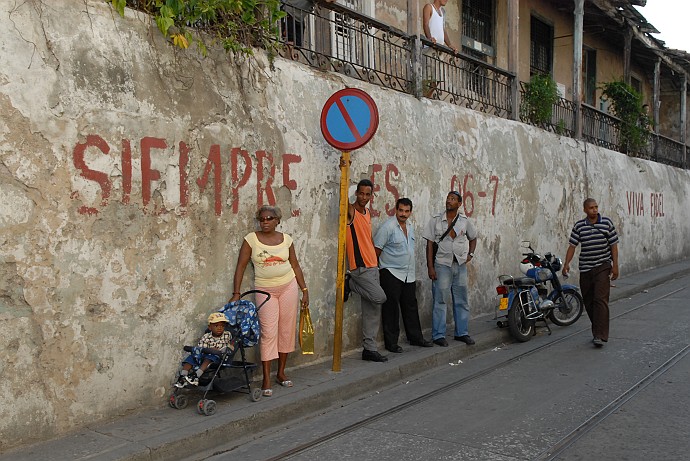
(176, 434)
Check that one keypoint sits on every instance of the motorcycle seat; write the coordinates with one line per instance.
(520, 282)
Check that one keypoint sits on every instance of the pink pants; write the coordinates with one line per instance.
(278, 319)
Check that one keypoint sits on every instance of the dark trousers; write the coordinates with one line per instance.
(596, 287)
(400, 298)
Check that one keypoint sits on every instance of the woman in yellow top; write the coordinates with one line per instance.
(277, 272)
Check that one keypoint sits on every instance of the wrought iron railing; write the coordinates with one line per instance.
(464, 80)
(562, 119)
(337, 39)
(668, 151)
(600, 128)
(332, 37)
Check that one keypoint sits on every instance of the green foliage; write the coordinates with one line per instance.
(238, 25)
(626, 104)
(539, 98)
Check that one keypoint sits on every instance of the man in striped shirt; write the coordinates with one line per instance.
(598, 265)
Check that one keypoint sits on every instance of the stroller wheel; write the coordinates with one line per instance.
(206, 407)
(178, 401)
(256, 395)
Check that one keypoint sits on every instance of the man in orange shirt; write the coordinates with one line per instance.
(364, 271)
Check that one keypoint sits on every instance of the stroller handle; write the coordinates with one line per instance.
(265, 293)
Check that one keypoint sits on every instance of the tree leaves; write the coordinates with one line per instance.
(237, 25)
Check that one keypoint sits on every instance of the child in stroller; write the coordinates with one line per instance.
(233, 328)
(218, 339)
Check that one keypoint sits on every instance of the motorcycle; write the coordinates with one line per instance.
(524, 301)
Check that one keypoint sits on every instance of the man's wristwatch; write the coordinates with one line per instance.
(470, 254)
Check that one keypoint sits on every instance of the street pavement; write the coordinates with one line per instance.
(167, 433)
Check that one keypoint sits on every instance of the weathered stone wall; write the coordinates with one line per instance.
(130, 173)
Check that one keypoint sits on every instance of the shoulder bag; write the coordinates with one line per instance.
(435, 244)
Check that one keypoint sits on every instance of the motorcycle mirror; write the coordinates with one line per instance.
(527, 244)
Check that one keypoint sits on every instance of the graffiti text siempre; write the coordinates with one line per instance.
(636, 204)
(242, 165)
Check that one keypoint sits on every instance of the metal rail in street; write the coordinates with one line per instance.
(548, 454)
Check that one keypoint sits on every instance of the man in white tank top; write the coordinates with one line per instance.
(432, 18)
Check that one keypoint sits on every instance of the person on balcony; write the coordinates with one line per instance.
(433, 17)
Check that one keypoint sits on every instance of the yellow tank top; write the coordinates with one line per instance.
(272, 266)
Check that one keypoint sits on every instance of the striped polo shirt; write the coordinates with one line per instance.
(596, 240)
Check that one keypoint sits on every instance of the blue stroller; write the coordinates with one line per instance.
(227, 375)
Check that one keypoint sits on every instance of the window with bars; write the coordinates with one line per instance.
(477, 22)
(477, 28)
(344, 33)
(541, 47)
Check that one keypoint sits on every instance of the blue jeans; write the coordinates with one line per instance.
(451, 282)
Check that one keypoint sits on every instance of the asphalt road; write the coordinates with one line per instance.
(554, 397)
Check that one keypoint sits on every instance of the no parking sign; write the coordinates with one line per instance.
(349, 119)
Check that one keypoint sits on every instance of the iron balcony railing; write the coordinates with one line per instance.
(337, 39)
(668, 151)
(332, 37)
(600, 128)
(562, 119)
(464, 80)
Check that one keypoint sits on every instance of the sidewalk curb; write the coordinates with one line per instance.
(165, 433)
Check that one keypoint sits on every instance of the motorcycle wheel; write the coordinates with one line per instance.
(520, 328)
(566, 314)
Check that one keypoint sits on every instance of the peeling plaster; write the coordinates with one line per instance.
(103, 293)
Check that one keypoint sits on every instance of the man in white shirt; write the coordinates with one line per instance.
(448, 268)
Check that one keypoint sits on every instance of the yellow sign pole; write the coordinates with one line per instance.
(340, 277)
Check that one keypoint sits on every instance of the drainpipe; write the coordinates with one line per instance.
(514, 55)
(577, 65)
(684, 119)
(657, 103)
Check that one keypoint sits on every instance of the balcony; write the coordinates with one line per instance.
(338, 39)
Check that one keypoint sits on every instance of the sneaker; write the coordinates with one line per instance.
(192, 380)
(187, 380)
(597, 342)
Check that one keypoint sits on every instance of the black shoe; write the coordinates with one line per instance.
(181, 382)
(347, 291)
(396, 349)
(441, 342)
(465, 339)
(373, 356)
(597, 342)
(422, 343)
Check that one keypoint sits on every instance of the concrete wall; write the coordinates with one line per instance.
(130, 173)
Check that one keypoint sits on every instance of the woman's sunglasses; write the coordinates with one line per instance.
(266, 218)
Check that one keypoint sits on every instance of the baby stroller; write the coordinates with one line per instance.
(228, 375)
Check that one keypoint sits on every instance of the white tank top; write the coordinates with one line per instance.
(436, 26)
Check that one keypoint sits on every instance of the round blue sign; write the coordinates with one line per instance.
(349, 119)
